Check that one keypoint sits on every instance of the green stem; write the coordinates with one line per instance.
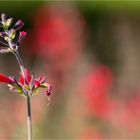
(29, 114)
(29, 118)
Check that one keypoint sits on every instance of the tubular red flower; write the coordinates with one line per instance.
(5, 79)
(29, 86)
(21, 36)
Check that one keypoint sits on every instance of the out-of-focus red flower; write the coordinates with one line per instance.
(59, 30)
(58, 37)
(95, 88)
(129, 114)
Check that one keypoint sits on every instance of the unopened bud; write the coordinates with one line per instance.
(21, 36)
(2, 34)
(12, 34)
(3, 17)
(7, 23)
(18, 25)
(48, 92)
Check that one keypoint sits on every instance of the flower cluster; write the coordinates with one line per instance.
(24, 87)
(9, 39)
(27, 85)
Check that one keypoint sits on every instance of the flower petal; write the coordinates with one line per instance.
(5, 79)
(36, 84)
(27, 75)
(22, 80)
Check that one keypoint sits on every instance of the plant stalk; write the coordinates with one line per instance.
(29, 118)
(29, 114)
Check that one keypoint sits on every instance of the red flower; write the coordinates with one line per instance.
(22, 34)
(22, 80)
(96, 86)
(21, 37)
(28, 86)
(5, 79)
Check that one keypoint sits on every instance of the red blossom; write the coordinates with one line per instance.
(36, 83)
(57, 39)
(5, 79)
(95, 89)
(26, 86)
(22, 34)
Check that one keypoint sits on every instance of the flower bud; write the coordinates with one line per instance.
(12, 34)
(21, 36)
(3, 34)
(3, 17)
(7, 23)
(48, 92)
(18, 25)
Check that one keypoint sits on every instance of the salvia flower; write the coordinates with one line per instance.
(8, 35)
(28, 86)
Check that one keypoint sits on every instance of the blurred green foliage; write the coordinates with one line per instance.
(109, 5)
(18, 7)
